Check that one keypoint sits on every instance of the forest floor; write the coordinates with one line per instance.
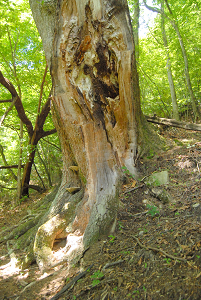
(155, 251)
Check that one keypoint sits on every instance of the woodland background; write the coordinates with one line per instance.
(22, 62)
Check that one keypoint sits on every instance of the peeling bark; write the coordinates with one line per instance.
(96, 107)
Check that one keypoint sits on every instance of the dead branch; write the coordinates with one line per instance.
(112, 264)
(174, 123)
(10, 167)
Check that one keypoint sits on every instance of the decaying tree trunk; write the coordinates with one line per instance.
(96, 103)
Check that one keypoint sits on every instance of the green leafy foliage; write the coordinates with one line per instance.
(112, 238)
(155, 92)
(96, 277)
(152, 210)
(22, 61)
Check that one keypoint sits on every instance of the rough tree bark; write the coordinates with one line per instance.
(89, 48)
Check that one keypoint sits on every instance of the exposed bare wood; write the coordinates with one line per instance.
(90, 53)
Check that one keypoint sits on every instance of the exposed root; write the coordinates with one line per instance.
(159, 250)
(59, 226)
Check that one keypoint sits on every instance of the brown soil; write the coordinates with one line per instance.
(139, 272)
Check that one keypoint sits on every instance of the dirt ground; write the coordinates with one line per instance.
(154, 253)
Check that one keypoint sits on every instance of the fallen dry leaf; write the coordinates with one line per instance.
(140, 261)
(133, 183)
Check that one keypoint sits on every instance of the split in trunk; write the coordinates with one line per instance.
(96, 107)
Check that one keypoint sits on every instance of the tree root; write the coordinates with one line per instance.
(69, 285)
(21, 229)
(20, 238)
(159, 250)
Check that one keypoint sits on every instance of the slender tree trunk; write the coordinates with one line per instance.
(28, 168)
(169, 70)
(19, 186)
(184, 54)
(44, 165)
(90, 51)
(37, 135)
(6, 164)
(41, 179)
(136, 25)
(186, 71)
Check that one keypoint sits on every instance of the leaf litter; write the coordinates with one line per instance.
(155, 251)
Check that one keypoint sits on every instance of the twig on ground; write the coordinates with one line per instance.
(133, 189)
(73, 281)
(136, 215)
(112, 264)
(159, 250)
(90, 287)
(122, 249)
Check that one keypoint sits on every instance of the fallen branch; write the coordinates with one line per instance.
(133, 189)
(73, 281)
(174, 123)
(136, 215)
(158, 250)
(90, 287)
(112, 264)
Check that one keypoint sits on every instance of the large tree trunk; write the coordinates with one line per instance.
(90, 51)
